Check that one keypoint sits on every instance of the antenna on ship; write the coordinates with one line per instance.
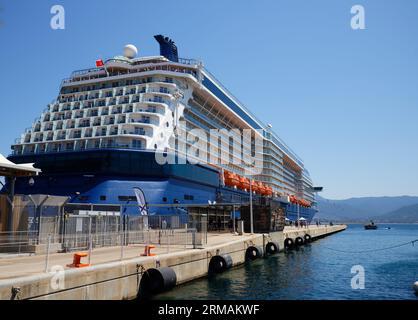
(130, 51)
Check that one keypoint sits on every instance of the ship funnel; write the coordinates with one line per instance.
(168, 48)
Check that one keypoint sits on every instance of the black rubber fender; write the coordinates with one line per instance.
(272, 247)
(289, 243)
(307, 238)
(220, 263)
(299, 241)
(254, 252)
(157, 280)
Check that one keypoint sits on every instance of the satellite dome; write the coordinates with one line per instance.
(130, 51)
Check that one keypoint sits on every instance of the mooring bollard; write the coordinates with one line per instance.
(77, 260)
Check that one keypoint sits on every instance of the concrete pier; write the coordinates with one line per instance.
(109, 277)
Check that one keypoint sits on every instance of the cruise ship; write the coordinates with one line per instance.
(102, 139)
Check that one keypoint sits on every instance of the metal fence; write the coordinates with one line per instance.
(91, 230)
(83, 231)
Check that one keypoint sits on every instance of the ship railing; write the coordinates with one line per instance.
(192, 62)
(93, 73)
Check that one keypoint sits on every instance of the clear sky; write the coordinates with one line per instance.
(345, 100)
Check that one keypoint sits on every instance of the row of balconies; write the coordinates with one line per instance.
(117, 92)
(102, 111)
(79, 145)
(138, 117)
(107, 130)
(111, 102)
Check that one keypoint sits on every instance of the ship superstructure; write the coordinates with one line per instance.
(97, 141)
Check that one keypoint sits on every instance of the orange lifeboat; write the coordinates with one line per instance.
(269, 191)
(264, 189)
(235, 180)
(241, 183)
(244, 183)
(293, 199)
(260, 187)
(254, 186)
(230, 179)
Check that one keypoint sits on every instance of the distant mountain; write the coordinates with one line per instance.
(407, 214)
(362, 209)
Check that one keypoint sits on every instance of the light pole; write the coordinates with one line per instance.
(251, 208)
(233, 219)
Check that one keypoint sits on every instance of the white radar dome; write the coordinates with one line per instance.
(130, 51)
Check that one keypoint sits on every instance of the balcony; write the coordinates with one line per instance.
(146, 121)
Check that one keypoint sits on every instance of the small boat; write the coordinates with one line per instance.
(370, 226)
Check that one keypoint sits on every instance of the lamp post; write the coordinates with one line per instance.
(233, 218)
(251, 208)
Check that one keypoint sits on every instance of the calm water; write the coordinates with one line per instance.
(316, 272)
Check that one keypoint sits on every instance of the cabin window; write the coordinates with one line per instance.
(127, 198)
(103, 198)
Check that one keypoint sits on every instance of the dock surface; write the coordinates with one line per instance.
(115, 273)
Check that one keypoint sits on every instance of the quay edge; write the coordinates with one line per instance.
(120, 280)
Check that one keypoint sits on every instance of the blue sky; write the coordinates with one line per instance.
(346, 101)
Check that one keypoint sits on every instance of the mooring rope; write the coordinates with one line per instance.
(375, 250)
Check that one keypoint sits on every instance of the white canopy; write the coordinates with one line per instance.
(10, 169)
(302, 219)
